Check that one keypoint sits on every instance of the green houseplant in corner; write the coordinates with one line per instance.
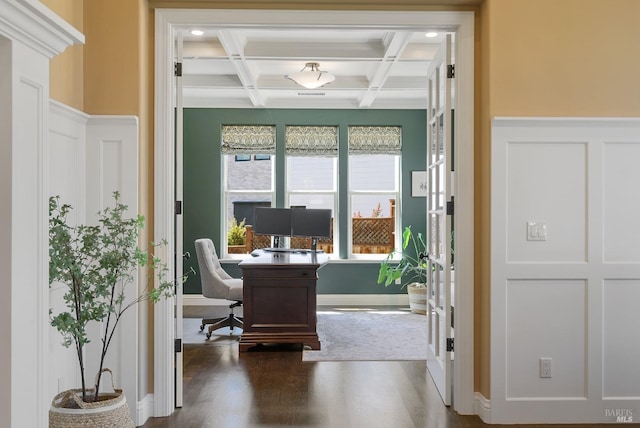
(411, 269)
(97, 264)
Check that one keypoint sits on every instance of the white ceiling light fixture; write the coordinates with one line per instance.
(431, 34)
(197, 32)
(311, 77)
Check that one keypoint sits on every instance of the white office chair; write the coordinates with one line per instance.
(217, 284)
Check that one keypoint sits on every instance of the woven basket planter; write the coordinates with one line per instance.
(69, 411)
(417, 298)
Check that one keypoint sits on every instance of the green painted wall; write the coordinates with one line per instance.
(202, 185)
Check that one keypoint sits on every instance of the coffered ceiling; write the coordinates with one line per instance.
(246, 68)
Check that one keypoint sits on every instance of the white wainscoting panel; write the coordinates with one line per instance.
(546, 184)
(565, 269)
(621, 347)
(621, 202)
(26, 246)
(112, 165)
(546, 319)
(92, 156)
(67, 171)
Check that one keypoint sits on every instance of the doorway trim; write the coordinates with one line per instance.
(166, 23)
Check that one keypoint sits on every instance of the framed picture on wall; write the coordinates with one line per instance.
(418, 183)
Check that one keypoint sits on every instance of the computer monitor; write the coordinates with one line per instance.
(311, 222)
(272, 221)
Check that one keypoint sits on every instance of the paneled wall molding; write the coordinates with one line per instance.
(91, 156)
(565, 270)
(112, 165)
(63, 111)
(113, 120)
(67, 172)
(34, 25)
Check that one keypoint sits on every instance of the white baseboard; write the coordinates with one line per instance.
(144, 410)
(482, 407)
(323, 300)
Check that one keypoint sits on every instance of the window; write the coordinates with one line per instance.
(311, 181)
(247, 181)
(311, 177)
(374, 188)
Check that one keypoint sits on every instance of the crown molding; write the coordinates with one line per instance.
(33, 24)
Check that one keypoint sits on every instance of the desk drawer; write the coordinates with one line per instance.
(272, 272)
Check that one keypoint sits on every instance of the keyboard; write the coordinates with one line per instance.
(288, 250)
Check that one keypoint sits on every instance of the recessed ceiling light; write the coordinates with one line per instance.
(197, 32)
(431, 34)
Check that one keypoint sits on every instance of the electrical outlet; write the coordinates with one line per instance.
(545, 367)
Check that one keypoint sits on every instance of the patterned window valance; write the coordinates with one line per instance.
(375, 140)
(311, 140)
(248, 139)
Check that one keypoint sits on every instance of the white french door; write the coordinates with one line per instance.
(178, 253)
(439, 220)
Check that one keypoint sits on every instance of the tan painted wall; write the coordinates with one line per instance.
(112, 57)
(533, 58)
(66, 75)
(564, 58)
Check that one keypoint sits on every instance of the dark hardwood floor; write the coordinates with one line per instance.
(273, 388)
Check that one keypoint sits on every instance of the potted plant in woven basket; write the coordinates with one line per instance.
(411, 268)
(97, 264)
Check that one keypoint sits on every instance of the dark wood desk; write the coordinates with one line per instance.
(279, 299)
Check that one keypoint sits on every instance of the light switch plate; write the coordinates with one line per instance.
(536, 231)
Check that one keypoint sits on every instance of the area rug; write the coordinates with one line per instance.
(370, 336)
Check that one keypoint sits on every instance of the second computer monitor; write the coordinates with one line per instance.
(314, 223)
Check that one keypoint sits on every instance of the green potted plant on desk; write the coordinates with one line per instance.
(412, 266)
(97, 264)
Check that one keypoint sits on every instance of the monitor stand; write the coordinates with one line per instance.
(276, 242)
(314, 244)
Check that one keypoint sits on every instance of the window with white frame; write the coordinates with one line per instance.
(311, 175)
(374, 188)
(248, 177)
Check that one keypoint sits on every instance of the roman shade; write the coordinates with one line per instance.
(248, 139)
(375, 140)
(311, 141)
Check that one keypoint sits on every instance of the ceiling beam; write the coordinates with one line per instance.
(234, 47)
(395, 43)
